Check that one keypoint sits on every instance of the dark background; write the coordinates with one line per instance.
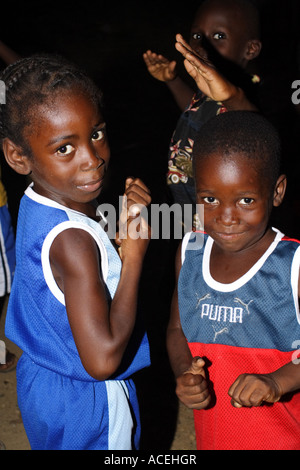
(108, 38)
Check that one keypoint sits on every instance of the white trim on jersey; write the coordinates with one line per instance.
(45, 201)
(45, 258)
(294, 281)
(5, 277)
(49, 278)
(219, 286)
(119, 415)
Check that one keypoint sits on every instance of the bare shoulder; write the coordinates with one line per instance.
(74, 250)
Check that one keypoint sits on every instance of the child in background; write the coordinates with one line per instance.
(235, 321)
(224, 38)
(7, 267)
(7, 237)
(73, 305)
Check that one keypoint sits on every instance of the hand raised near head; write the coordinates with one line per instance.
(160, 67)
(208, 79)
(133, 223)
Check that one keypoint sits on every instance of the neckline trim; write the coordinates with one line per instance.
(219, 286)
(32, 194)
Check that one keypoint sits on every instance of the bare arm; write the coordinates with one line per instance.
(181, 92)
(164, 70)
(191, 385)
(101, 331)
(254, 389)
(179, 352)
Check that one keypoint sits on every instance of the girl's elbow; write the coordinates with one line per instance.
(101, 370)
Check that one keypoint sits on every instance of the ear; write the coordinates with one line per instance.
(15, 157)
(279, 190)
(253, 49)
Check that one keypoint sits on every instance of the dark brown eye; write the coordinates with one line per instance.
(65, 149)
(98, 135)
(196, 36)
(246, 201)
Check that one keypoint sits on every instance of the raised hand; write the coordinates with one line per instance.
(159, 66)
(133, 223)
(208, 79)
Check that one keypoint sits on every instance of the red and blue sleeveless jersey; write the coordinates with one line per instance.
(251, 325)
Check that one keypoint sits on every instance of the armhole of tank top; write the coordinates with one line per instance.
(184, 244)
(48, 275)
(295, 280)
(192, 241)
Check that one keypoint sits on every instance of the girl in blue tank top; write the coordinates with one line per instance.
(73, 306)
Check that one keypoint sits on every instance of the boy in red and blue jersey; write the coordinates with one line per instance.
(235, 324)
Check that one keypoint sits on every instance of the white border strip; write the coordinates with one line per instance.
(295, 280)
(48, 275)
(221, 287)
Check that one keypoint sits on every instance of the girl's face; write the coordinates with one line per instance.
(70, 151)
(237, 201)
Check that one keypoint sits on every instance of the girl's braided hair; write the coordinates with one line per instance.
(33, 81)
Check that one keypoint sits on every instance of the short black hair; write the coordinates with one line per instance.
(33, 81)
(244, 132)
(248, 12)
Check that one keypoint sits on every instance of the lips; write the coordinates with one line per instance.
(229, 235)
(91, 186)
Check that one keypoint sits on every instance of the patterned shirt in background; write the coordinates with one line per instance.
(200, 110)
(180, 168)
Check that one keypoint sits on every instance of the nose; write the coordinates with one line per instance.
(199, 47)
(227, 216)
(202, 51)
(206, 49)
(91, 160)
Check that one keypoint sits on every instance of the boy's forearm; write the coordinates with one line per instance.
(288, 377)
(181, 92)
(178, 351)
(239, 102)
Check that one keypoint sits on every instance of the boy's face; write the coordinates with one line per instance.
(224, 29)
(237, 200)
(69, 150)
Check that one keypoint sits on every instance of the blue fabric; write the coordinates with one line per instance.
(62, 406)
(254, 315)
(70, 414)
(7, 251)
